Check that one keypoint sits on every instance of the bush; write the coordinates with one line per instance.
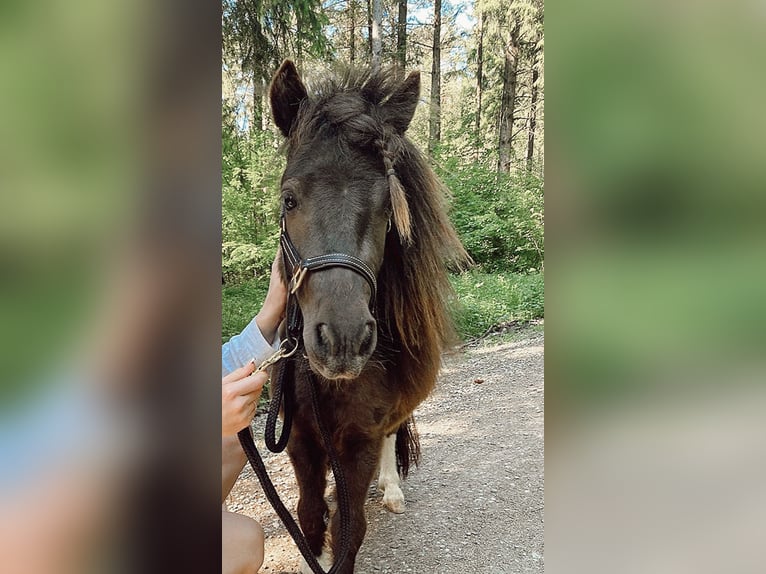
(239, 304)
(499, 218)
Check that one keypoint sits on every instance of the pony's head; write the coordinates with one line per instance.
(340, 194)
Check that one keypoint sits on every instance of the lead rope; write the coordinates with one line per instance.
(283, 398)
(256, 462)
(278, 396)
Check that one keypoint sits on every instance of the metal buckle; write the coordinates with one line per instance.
(297, 278)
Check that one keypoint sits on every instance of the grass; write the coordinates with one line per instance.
(484, 300)
(487, 299)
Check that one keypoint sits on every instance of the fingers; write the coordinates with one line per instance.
(238, 414)
(240, 373)
(250, 384)
(251, 411)
(239, 399)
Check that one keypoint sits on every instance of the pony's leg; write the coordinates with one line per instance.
(388, 480)
(359, 459)
(310, 465)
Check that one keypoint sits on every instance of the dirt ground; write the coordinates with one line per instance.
(475, 503)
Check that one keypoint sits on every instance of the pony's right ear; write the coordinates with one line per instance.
(286, 94)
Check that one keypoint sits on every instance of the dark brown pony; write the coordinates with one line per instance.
(355, 184)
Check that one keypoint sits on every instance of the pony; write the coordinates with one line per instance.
(355, 184)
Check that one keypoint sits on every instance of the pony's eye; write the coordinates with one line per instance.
(289, 202)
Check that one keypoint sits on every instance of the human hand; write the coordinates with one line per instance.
(273, 310)
(240, 391)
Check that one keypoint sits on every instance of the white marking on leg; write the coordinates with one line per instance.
(325, 561)
(388, 480)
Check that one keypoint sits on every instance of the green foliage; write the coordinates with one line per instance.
(499, 218)
(239, 304)
(486, 299)
(258, 34)
(251, 169)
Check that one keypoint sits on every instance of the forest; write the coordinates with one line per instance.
(481, 122)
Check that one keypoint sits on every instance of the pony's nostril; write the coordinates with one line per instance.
(323, 335)
(367, 338)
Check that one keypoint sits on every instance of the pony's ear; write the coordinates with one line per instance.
(400, 107)
(286, 94)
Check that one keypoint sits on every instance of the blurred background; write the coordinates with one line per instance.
(655, 287)
(111, 273)
(109, 286)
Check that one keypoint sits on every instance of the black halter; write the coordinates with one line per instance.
(297, 268)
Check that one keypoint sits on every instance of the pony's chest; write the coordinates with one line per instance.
(363, 403)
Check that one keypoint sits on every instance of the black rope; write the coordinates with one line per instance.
(277, 396)
(341, 486)
(283, 397)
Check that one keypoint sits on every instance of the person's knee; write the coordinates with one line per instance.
(242, 544)
(254, 535)
(252, 538)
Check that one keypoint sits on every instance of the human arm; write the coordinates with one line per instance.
(258, 340)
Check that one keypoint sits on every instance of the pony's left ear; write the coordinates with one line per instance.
(286, 94)
(400, 107)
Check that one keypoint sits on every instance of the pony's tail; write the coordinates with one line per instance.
(407, 446)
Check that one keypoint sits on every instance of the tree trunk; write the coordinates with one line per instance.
(377, 41)
(401, 38)
(265, 116)
(510, 76)
(352, 31)
(256, 121)
(435, 128)
(369, 27)
(479, 87)
(532, 113)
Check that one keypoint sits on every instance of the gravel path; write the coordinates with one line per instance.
(475, 504)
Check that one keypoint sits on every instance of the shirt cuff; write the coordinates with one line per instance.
(241, 349)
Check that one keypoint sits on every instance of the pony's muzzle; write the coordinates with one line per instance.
(341, 350)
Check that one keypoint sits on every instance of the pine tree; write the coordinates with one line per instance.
(435, 128)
